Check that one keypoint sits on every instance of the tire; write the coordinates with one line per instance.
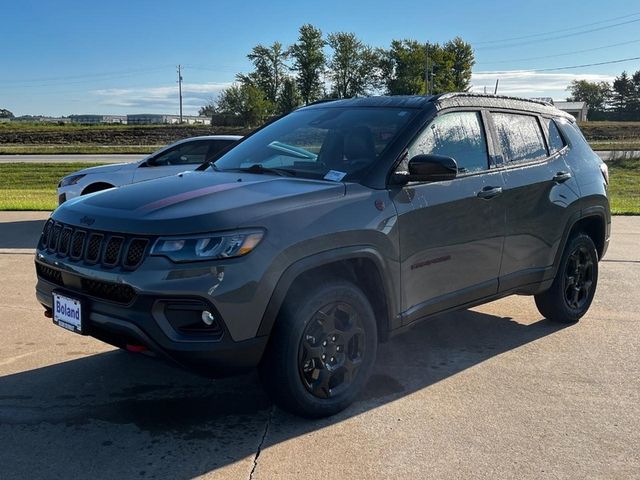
(574, 286)
(333, 319)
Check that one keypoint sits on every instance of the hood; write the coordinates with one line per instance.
(194, 202)
(113, 167)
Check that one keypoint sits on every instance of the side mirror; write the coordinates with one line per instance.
(432, 168)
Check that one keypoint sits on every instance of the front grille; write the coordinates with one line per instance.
(113, 292)
(135, 254)
(112, 251)
(92, 247)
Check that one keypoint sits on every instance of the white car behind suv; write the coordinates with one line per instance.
(174, 158)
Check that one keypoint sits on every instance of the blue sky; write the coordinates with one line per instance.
(65, 57)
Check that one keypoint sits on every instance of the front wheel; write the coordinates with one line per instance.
(322, 350)
(573, 289)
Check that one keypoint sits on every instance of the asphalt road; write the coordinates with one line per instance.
(118, 158)
(493, 392)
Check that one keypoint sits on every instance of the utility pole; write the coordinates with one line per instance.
(495, 90)
(180, 89)
(426, 70)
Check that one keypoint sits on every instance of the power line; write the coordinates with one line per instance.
(542, 34)
(544, 57)
(583, 32)
(64, 80)
(568, 67)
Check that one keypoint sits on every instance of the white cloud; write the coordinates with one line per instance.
(162, 99)
(526, 83)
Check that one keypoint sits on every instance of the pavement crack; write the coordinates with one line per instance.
(264, 436)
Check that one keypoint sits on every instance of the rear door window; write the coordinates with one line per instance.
(519, 137)
(459, 135)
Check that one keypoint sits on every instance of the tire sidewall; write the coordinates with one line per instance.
(296, 316)
(577, 241)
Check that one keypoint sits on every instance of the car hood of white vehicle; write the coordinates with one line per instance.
(101, 169)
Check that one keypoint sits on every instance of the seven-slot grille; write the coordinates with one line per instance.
(78, 244)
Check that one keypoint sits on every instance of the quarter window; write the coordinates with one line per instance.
(556, 143)
(459, 135)
(519, 136)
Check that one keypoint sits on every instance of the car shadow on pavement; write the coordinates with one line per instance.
(121, 415)
(22, 234)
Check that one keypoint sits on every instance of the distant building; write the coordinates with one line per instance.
(579, 110)
(159, 118)
(95, 119)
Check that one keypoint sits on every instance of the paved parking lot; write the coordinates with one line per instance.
(493, 392)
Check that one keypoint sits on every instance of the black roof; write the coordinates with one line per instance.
(447, 100)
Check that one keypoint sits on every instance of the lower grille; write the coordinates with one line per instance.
(49, 274)
(113, 292)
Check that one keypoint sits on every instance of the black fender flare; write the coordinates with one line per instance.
(590, 211)
(305, 264)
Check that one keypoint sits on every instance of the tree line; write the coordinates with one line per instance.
(338, 65)
(619, 100)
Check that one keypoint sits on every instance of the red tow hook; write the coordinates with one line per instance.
(135, 348)
(48, 313)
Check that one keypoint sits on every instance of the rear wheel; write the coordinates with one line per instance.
(573, 289)
(321, 351)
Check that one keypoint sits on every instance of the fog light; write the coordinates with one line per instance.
(207, 318)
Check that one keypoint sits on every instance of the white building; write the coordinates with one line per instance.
(579, 110)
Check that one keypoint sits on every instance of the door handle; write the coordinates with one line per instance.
(561, 177)
(489, 192)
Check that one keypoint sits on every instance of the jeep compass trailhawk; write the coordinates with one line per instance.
(329, 230)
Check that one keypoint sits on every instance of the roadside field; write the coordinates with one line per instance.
(32, 186)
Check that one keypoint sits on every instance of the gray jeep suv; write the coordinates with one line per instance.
(329, 230)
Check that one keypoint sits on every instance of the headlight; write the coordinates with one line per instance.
(208, 246)
(70, 180)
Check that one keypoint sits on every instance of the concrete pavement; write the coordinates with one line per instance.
(492, 392)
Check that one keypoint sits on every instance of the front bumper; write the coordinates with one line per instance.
(152, 319)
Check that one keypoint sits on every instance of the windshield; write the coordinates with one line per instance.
(332, 143)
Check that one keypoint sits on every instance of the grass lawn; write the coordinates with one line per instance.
(32, 186)
(75, 149)
(624, 187)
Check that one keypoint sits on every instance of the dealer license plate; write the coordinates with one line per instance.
(67, 313)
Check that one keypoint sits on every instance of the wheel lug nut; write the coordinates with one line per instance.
(324, 344)
(333, 339)
(333, 359)
(324, 356)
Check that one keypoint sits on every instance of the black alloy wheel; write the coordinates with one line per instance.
(331, 350)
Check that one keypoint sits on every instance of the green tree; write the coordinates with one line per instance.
(245, 101)
(353, 66)
(460, 54)
(269, 69)
(208, 109)
(4, 113)
(595, 94)
(289, 98)
(403, 67)
(308, 62)
(623, 92)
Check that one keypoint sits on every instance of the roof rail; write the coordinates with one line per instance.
(444, 96)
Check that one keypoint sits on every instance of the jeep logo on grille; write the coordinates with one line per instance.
(88, 221)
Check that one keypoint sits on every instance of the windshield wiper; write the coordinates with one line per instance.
(258, 168)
